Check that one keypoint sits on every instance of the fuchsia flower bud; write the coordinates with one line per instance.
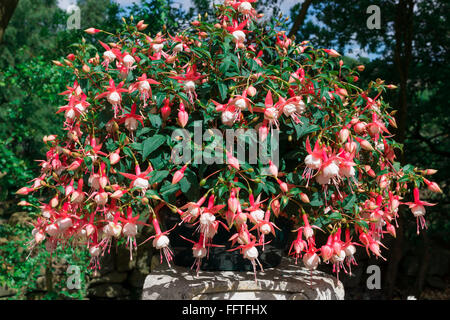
(91, 30)
(141, 25)
(359, 127)
(24, 191)
(251, 91)
(179, 175)
(166, 110)
(233, 202)
(332, 53)
(364, 144)
(432, 186)
(430, 172)
(304, 197)
(114, 157)
(183, 116)
(283, 186)
(273, 169)
(232, 161)
(54, 202)
(343, 135)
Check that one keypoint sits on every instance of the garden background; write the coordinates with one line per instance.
(410, 50)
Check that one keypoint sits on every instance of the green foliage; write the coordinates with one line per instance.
(28, 101)
(158, 14)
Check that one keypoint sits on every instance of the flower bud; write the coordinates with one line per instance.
(251, 91)
(332, 53)
(359, 127)
(365, 145)
(24, 191)
(304, 197)
(432, 186)
(54, 202)
(183, 117)
(343, 135)
(57, 63)
(178, 175)
(165, 112)
(141, 25)
(91, 30)
(429, 172)
(392, 122)
(369, 171)
(86, 68)
(114, 157)
(273, 169)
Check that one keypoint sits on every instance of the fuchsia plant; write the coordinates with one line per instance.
(337, 172)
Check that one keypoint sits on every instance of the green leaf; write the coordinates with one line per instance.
(168, 189)
(349, 202)
(158, 176)
(336, 215)
(151, 144)
(142, 131)
(316, 201)
(409, 168)
(305, 128)
(223, 90)
(363, 224)
(155, 120)
(223, 68)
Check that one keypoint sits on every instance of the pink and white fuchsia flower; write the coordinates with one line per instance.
(418, 209)
(313, 160)
(114, 95)
(143, 84)
(109, 55)
(161, 242)
(140, 179)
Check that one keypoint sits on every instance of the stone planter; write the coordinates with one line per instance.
(285, 282)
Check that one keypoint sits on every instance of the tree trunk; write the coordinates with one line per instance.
(7, 8)
(403, 28)
(421, 277)
(300, 18)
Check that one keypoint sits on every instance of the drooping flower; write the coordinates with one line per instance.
(418, 209)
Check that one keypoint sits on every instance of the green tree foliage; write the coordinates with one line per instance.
(159, 13)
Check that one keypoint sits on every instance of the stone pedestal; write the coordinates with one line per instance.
(286, 282)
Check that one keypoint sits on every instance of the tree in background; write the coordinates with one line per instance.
(7, 8)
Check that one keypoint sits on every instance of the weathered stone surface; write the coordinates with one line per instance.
(286, 282)
(21, 217)
(113, 277)
(7, 292)
(108, 291)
